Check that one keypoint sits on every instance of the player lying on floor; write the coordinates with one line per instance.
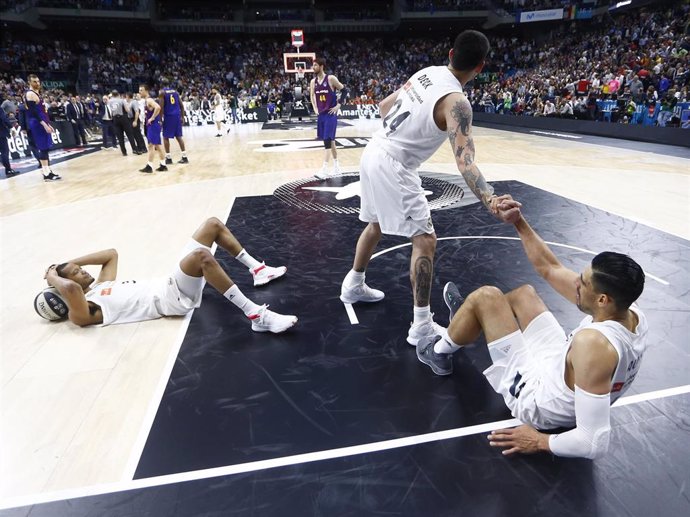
(107, 300)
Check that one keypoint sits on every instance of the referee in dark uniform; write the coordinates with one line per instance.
(121, 122)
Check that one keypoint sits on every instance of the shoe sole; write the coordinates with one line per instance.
(344, 299)
(275, 331)
(270, 279)
(447, 298)
(433, 367)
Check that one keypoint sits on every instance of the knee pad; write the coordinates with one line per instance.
(327, 143)
(42, 155)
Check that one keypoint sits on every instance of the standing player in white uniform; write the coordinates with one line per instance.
(549, 380)
(109, 301)
(219, 112)
(430, 108)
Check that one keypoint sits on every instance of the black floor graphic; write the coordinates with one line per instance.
(236, 396)
(643, 475)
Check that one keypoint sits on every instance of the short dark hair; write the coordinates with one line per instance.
(320, 61)
(32, 76)
(165, 81)
(60, 269)
(144, 86)
(469, 50)
(115, 93)
(617, 276)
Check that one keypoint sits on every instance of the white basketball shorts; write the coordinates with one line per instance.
(519, 361)
(392, 196)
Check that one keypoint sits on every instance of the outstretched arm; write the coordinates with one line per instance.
(457, 112)
(105, 258)
(562, 279)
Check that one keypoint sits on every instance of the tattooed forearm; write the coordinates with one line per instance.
(423, 269)
(478, 185)
(462, 144)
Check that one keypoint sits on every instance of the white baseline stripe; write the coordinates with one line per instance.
(497, 237)
(351, 313)
(302, 458)
(154, 404)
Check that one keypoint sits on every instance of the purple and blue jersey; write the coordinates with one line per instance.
(171, 103)
(153, 130)
(325, 95)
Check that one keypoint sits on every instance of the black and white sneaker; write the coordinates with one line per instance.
(183, 160)
(453, 298)
(162, 168)
(11, 173)
(147, 169)
(52, 177)
(168, 161)
(440, 364)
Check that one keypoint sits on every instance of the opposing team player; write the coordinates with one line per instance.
(152, 126)
(173, 113)
(322, 90)
(39, 126)
(430, 108)
(107, 301)
(549, 380)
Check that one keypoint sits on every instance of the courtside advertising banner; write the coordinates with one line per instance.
(541, 16)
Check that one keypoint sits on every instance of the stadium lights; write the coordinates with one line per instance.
(620, 4)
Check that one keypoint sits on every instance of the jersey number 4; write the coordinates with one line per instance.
(393, 119)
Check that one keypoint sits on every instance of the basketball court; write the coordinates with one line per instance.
(337, 416)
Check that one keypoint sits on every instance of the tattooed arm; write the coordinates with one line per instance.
(458, 118)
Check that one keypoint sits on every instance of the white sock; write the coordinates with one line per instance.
(149, 164)
(445, 345)
(245, 304)
(246, 259)
(168, 155)
(46, 170)
(335, 163)
(162, 162)
(354, 278)
(184, 154)
(325, 164)
(421, 314)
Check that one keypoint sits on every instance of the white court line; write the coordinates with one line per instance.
(351, 313)
(302, 458)
(154, 404)
(497, 237)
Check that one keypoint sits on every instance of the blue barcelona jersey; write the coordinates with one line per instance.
(171, 102)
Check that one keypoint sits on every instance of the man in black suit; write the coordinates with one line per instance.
(5, 126)
(105, 115)
(75, 114)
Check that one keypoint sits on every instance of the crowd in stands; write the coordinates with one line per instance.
(115, 5)
(635, 59)
(447, 5)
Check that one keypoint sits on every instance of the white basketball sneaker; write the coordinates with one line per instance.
(424, 331)
(269, 321)
(360, 293)
(263, 274)
(336, 171)
(324, 173)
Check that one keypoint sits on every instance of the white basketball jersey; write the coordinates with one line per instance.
(556, 400)
(130, 301)
(409, 133)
